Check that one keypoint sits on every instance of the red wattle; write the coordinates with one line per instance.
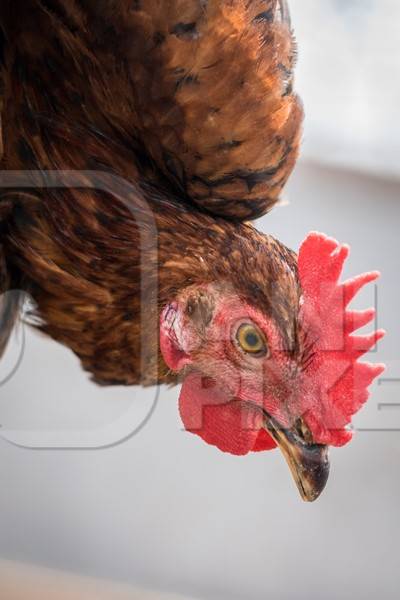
(231, 425)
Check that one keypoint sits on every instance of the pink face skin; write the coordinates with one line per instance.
(201, 342)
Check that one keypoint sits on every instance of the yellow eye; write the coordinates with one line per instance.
(251, 340)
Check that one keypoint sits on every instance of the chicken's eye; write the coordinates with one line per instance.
(251, 340)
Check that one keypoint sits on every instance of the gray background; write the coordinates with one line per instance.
(169, 512)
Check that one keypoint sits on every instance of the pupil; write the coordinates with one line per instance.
(251, 339)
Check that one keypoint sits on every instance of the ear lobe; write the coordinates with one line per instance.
(182, 326)
(171, 349)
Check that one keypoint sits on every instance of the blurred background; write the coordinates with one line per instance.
(348, 77)
(164, 511)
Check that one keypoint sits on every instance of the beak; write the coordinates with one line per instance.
(308, 462)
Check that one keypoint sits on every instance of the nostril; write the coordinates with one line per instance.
(304, 431)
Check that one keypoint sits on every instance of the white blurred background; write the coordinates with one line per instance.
(163, 510)
(348, 76)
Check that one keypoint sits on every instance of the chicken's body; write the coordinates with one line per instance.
(188, 102)
(138, 139)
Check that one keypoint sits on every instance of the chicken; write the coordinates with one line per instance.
(139, 140)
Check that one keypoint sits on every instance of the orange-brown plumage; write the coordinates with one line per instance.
(190, 101)
(142, 136)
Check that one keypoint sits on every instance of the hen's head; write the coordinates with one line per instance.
(253, 381)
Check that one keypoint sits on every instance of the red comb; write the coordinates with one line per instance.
(335, 383)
